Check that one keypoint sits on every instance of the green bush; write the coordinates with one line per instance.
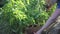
(18, 14)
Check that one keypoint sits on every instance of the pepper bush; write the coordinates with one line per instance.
(18, 14)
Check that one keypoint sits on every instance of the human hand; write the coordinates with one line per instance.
(37, 32)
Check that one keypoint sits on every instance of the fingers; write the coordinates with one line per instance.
(34, 33)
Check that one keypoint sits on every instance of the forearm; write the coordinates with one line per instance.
(48, 23)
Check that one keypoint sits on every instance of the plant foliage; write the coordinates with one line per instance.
(18, 14)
